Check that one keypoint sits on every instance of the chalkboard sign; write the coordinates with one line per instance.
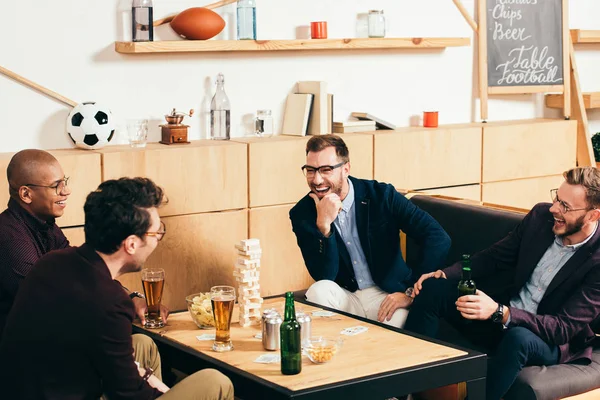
(524, 47)
(525, 42)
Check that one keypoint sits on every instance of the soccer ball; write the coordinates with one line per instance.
(90, 126)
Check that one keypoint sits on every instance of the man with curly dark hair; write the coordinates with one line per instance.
(68, 334)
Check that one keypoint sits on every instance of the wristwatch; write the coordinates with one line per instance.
(136, 294)
(147, 374)
(498, 315)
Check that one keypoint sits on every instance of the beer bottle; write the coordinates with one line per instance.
(466, 285)
(291, 346)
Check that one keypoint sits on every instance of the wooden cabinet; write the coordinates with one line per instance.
(521, 193)
(282, 266)
(422, 158)
(199, 177)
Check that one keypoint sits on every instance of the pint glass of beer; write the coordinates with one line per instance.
(222, 299)
(153, 280)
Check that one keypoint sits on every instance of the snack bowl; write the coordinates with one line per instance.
(322, 349)
(200, 308)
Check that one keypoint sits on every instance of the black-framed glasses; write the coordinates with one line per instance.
(160, 233)
(58, 186)
(564, 208)
(324, 170)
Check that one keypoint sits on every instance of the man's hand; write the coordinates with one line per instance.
(141, 308)
(419, 285)
(328, 209)
(391, 303)
(479, 306)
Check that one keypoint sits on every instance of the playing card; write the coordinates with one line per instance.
(206, 336)
(268, 359)
(323, 313)
(354, 330)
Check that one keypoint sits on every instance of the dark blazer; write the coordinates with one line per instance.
(68, 335)
(381, 212)
(571, 302)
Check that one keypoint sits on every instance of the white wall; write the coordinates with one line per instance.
(68, 46)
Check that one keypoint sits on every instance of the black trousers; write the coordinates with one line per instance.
(512, 349)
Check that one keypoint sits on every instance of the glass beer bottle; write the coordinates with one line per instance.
(291, 346)
(466, 285)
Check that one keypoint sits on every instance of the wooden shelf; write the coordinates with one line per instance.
(585, 36)
(190, 46)
(590, 100)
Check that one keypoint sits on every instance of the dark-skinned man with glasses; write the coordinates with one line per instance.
(348, 232)
(538, 297)
(38, 195)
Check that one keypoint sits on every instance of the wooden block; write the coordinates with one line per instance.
(250, 256)
(528, 148)
(281, 271)
(200, 177)
(469, 192)
(521, 193)
(195, 254)
(83, 169)
(421, 158)
(279, 159)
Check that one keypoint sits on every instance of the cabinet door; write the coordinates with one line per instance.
(528, 149)
(420, 158)
(199, 177)
(521, 193)
(282, 266)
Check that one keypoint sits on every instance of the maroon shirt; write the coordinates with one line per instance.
(68, 335)
(24, 239)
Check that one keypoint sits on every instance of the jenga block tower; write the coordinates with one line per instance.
(247, 275)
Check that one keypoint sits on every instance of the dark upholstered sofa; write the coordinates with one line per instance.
(473, 228)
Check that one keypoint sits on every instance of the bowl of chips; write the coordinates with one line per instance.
(321, 349)
(200, 309)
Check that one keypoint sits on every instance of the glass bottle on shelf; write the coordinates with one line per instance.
(246, 19)
(376, 24)
(290, 338)
(220, 112)
(142, 28)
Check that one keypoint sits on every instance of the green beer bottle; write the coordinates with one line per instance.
(291, 346)
(466, 285)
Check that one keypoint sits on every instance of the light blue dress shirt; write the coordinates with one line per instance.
(345, 224)
(552, 261)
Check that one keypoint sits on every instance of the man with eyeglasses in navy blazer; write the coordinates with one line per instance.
(348, 232)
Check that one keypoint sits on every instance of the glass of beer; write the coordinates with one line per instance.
(222, 299)
(153, 280)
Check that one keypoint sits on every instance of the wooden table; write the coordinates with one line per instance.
(381, 363)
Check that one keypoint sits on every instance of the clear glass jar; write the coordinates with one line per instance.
(142, 29)
(246, 19)
(376, 24)
(263, 123)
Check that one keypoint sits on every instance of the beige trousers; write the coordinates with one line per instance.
(208, 384)
(364, 303)
(146, 353)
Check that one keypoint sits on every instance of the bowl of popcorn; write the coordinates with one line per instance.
(321, 349)
(200, 309)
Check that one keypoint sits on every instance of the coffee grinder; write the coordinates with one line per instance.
(174, 132)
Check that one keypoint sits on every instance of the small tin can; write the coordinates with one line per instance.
(271, 322)
(304, 321)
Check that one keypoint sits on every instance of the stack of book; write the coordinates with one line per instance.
(353, 126)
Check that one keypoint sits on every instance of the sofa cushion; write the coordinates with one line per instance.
(471, 228)
(557, 381)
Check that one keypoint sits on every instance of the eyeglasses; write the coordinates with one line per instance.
(324, 170)
(561, 204)
(58, 186)
(160, 233)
